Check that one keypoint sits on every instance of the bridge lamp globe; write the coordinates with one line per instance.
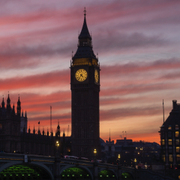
(57, 144)
(95, 151)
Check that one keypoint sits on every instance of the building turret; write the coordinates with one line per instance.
(58, 131)
(34, 131)
(19, 107)
(8, 103)
(3, 103)
(29, 130)
(13, 109)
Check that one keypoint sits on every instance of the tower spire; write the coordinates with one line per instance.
(163, 109)
(85, 49)
(18, 106)
(84, 32)
(84, 12)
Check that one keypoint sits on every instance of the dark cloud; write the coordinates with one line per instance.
(121, 113)
(140, 67)
(113, 41)
(63, 118)
(138, 89)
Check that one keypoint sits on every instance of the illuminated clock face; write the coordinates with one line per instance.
(96, 75)
(81, 75)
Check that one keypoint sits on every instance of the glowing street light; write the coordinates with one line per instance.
(57, 144)
(135, 161)
(95, 152)
(118, 160)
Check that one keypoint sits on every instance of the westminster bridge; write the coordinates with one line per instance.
(20, 166)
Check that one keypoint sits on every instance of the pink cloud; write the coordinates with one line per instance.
(53, 78)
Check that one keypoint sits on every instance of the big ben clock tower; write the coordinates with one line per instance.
(85, 87)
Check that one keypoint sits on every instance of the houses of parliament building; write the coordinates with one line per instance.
(16, 138)
(85, 88)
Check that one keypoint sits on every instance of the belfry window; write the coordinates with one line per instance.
(169, 141)
(176, 133)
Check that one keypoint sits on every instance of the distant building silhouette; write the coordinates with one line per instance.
(170, 138)
(14, 137)
(128, 150)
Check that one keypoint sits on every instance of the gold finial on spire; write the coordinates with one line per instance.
(84, 11)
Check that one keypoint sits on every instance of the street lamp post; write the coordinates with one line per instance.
(119, 167)
(57, 148)
(119, 157)
(135, 161)
(95, 165)
(95, 152)
(57, 160)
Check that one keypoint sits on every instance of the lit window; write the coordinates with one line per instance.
(176, 127)
(178, 157)
(169, 141)
(177, 149)
(177, 141)
(163, 158)
(176, 133)
(169, 128)
(170, 158)
(163, 142)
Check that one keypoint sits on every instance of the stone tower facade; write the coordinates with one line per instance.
(85, 87)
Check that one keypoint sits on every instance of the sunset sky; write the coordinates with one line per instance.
(138, 47)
